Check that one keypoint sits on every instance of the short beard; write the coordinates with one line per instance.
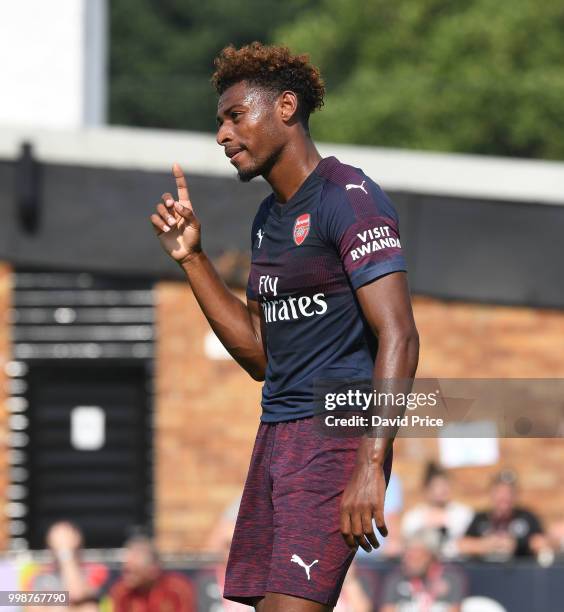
(262, 169)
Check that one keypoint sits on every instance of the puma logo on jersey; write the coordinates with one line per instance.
(307, 568)
(260, 236)
(353, 186)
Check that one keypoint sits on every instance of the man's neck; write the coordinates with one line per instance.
(297, 161)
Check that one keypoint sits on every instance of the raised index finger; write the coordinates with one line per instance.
(181, 184)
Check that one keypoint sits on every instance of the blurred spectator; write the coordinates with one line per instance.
(450, 519)
(422, 582)
(68, 573)
(506, 530)
(145, 587)
(390, 546)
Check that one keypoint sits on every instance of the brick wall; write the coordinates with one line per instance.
(207, 411)
(476, 340)
(5, 291)
(206, 418)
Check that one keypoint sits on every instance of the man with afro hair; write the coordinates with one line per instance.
(327, 299)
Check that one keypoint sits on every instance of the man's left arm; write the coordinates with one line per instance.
(386, 304)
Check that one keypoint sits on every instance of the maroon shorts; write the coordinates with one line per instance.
(287, 537)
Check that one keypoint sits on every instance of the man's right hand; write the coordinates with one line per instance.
(175, 223)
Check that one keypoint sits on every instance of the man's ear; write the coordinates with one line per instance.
(288, 105)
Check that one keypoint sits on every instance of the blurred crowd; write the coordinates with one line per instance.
(432, 536)
(142, 584)
(423, 548)
(502, 531)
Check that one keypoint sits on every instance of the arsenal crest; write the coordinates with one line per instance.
(301, 228)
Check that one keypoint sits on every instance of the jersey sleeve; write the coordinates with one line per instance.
(362, 223)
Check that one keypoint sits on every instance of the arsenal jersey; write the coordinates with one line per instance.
(337, 233)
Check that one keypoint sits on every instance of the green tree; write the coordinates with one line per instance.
(477, 76)
(161, 55)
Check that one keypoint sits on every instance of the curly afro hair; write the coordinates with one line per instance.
(273, 68)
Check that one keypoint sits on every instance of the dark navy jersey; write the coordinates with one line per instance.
(337, 233)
